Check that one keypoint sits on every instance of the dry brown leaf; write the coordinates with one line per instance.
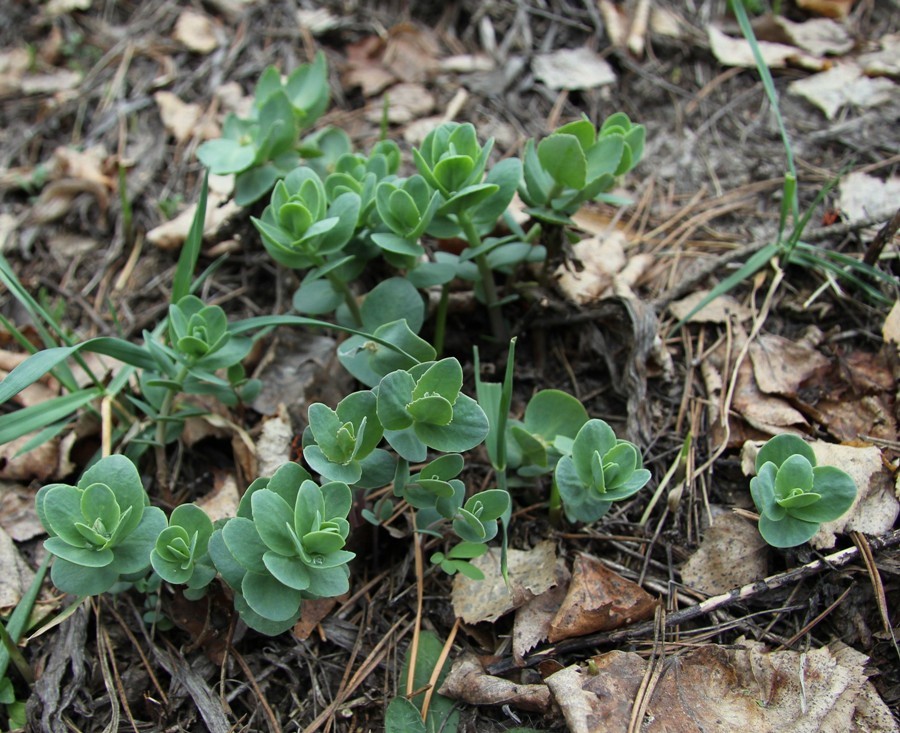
(731, 554)
(839, 9)
(312, 612)
(531, 572)
(578, 68)
(291, 368)
(599, 600)
(764, 412)
(532, 624)
(16, 576)
(841, 85)
(780, 365)
(411, 52)
(720, 310)
(468, 682)
(89, 165)
(196, 32)
(599, 259)
(38, 464)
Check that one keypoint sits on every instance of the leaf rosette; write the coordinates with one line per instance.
(286, 544)
(200, 336)
(601, 469)
(424, 408)
(794, 495)
(101, 529)
(180, 554)
(299, 227)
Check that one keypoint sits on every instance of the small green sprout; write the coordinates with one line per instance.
(793, 495)
(101, 530)
(601, 469)
(552, 419)
(180, 554)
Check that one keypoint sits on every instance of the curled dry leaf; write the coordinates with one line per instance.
(766, 413)
(737, 52)
(17, 513)
(531, 572)
(223, 500)
(842, 85)
(468, 682)
(171, 234)
(532, 624)
(16, 575)
(273, 448)
(182, 120)
(720, 310)
(196, 32)
(732, 554)
(406, 102)
(817, 36)
(781, 366)
(862, 196)
(599, 600)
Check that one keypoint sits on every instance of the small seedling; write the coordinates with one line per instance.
(599, 470)
(793, 495)
(101, 530)
(180, 555)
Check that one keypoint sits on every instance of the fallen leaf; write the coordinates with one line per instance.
(841, 85)
(58, 81)
(173, 233)
(737, 52)
(467, 63)
(222, 502)
(839, 9)
(196, 32)
(598, 600)
(720, 310)
(312, 612)
(598, 259)
(406, 102)
(886, 60)
(817, 36)
(732, 554)
(38, 464)
(891, 328)
(17, 513)
(767, 413)
(780, 365)
(273, 447)
(468, 682)
(16, 576)
(317, 21)
(181, 120)
(533, 619)
(578, 68)
(291, 367)
(531, 572)
(55, 8)
(861, 196)
(411, 52)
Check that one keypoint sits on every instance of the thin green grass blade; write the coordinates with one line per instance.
(190, 251)
(38, 417)
(18, 620)
(758, 261)
(47, 434)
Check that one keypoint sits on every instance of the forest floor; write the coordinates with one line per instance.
(89, 89)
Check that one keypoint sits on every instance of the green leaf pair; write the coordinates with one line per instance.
(793, 495)
(100, 529)
(286, 544)
(601, 469)
(551, 421)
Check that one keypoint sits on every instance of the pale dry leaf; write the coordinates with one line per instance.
(371, 79)
(720, 310)
(732, 554)
(14, 64)
(616, 21)
(861, 196)
(172, 234)
(891, 328)
(531, 572)
(781, 366)
(17, 513)
(532, 622)
(416, 131)
(406, 102)
(273, 447)
(411, 53)
(663, 22)
(572, 68)
(468, 682)
(16, 576)
(180, 119)
(34, 393)
(38, 464)
(467, 63)
(89, 165)
(291, 368)
(886, 60)
(62, 80)
(69, 246)
(737, 52)
(9, 225)
(567, 687)
(196, 32)
(817, 36)
(318, 20)
(55, 8)
(222, 502)
(597, 260)
(841, 85)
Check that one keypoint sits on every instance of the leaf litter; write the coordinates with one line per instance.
(817, 387)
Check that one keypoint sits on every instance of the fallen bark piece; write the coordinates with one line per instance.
(599, 600)
(469, 683)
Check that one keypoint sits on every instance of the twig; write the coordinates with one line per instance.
(274, 725)
(736, 595)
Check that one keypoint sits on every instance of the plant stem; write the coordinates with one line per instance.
(162, 467)
(349, 298)
(440, 320)
(555, 505)
(498, 327)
